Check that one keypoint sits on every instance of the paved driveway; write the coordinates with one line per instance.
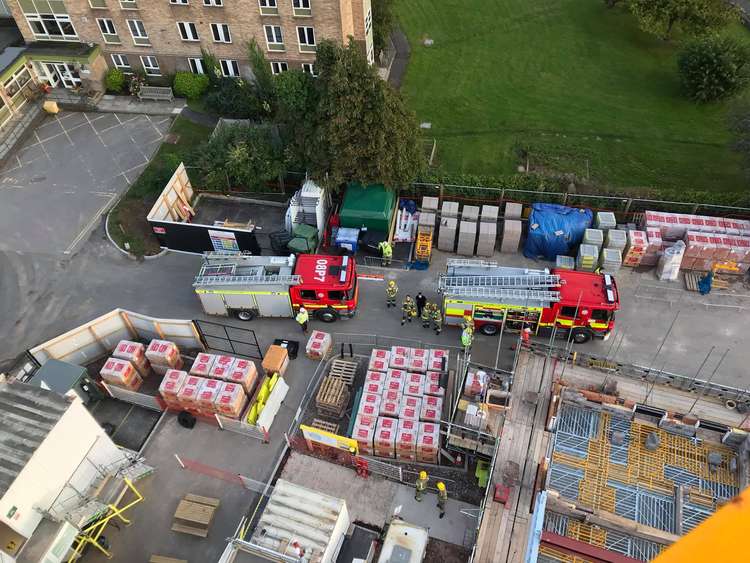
(74, 165)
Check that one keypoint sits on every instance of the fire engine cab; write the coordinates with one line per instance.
(247, 286)
(579, 304)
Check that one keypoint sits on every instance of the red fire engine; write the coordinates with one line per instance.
(581, 302)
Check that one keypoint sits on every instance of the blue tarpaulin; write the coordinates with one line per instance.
(555, 229)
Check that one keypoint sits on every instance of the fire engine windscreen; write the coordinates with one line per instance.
(555, 229)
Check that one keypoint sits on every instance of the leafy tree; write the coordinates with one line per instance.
(239, 156)
(296, 104)
(263, 77)
(364, 130)
(211, 66)
(693, 17)
(383, 22)
(713, 68)
(236, 98)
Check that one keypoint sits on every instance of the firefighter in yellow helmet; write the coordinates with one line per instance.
(408, 310)
(426, 314)
(386, 249)
(437, 319)
(391, 290)
(420, 486)
(442, 498)
(468, 322)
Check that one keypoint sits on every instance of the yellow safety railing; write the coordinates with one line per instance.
(92, 533)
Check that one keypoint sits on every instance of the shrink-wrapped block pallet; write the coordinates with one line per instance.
(363, 436)
(438, 360)
(616, 239)
(565, 262)
(486, 239)
(605, 220)
(221, 367)
(384, 440)
(432, 409)
(428, 442)
(202, 364)
(369, 404)
(593, 236)
(230, 400)
(375, 377)
(187, 397)
(470, 213)
(411, 407)
(489, 214)
(390, 405)
(447, 234)
(318, 345)
(467, 236)
(512, 229)
(243, 373)
(432, 385)
(207, 394)
(513, 210)
(379, 360)
(406, 440)
(135, 353)
(121, 373)
(449, 209)
(170, 386)
(163, 355)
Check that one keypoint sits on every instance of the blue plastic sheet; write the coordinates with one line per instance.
(555, 229)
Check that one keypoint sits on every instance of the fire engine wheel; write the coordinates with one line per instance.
(327, 315)
(246, 315)
(581, 336)
(489, 329)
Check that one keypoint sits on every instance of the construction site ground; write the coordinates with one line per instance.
(373, 500)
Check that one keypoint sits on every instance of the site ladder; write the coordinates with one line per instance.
(525, 295)
(424, 246)
(247, 280)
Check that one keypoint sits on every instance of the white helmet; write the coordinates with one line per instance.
(302, 310)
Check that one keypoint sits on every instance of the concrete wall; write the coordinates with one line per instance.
(54, 463)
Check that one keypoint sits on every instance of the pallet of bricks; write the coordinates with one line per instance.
(133, 362)
(216, 384)
(708, 240)
(402, 401)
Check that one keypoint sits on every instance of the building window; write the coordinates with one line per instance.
(98, 3)
(213, 2)
(138, 32)
(129, 4)
(52, 26)
(181, 2)
(107, 27)
(301, 7)
(150, 65)
(279, 67)
(368, 21)
(221, 33)
(306, 36)
(309, 68)
(274, 37)
(188, 31)
(371, 54)
(229, 67)
(196, 65)
(121, 62)
(268, 8)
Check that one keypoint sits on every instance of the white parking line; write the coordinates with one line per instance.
(90, 225)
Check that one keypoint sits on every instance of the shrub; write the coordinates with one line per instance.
(189, 85)
(114, 80)
(137, 80)
(234, 98)
(713, 68)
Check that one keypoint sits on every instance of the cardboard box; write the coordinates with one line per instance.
(276, 360)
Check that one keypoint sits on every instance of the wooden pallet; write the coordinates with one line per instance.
(332, 397)
(692, 279)
(194, 515)
(344, 370)
(326, 426)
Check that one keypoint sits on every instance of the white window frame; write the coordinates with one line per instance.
(214, 3)
(309, 68)
(306, 29)
(229, 65)
(117, 61)
(57, 19)
(99, 22)
(179, 2)
(368, 21)
(267, 4)
(195, 64)
(301, 5)
(184, 27)
(278, 40)
(132, 24)
(145, 58)
(221, 27)
(278, 69)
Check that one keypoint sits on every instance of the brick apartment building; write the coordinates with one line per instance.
(161, 37)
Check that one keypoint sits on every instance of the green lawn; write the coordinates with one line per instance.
(573, 82)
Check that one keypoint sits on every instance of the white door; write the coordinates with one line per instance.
(68, 75)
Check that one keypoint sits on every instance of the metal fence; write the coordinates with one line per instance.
(625, 207)
(150, 402)
(242, 427)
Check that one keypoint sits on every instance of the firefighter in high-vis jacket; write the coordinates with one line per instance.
(408, 310)
(426, 315)
(420, 486)
(386, 249)
(391, 290)
(437, 319)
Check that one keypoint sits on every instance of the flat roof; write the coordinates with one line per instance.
(320, 270)
(27, 415)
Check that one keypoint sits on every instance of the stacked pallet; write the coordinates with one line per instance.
(400, 357)
(588, 255)
(370, 404)
(414, 385)
(221, 367)
(704, 250)
(563, 262)
(187, 396)
(135, 353)
(487, 230)
(411, 407)
(244, 373)
(615, 238)
(605, 220)
(512, 229)
(379, 360)
(202, 364)
(610, 260)
(635, 248)
(594, 237)
(448, 226)
(384, 441)
(230, 400)
(432, 384)
(432, 409)
(163, 355)
(438, 360)
(207, 395)
(406, 440)
(121, 373)
(170, 386)
(318, 345)
(428, 442)
(467, 236)
(390, 405)
(333, 397)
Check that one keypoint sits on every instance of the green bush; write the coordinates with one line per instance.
(114, 80)
(713, 68)
(189, 85)
(236, 98)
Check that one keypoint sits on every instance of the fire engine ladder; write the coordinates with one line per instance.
(471, 262)
(247, 280)
(525, 295)
(526, 281)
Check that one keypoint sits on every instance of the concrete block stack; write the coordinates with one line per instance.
(615, 238)
(135, 353)
(403, 398)
(428, 442)
(318, 345)
(486, 239)
(430, 203)
(594, 237)
(512, 229)
(406, 440)
(163, 355)
(610, 260)
(470, 213)
(489, 214)
(588, 256)
(121, 373)
(635, 248)
(467, 236)
(605, 220)
(513, 210)
(704, 250)
(170, 386)
(565, 262)
(448, 226)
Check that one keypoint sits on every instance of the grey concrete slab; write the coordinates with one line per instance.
(54, 191)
